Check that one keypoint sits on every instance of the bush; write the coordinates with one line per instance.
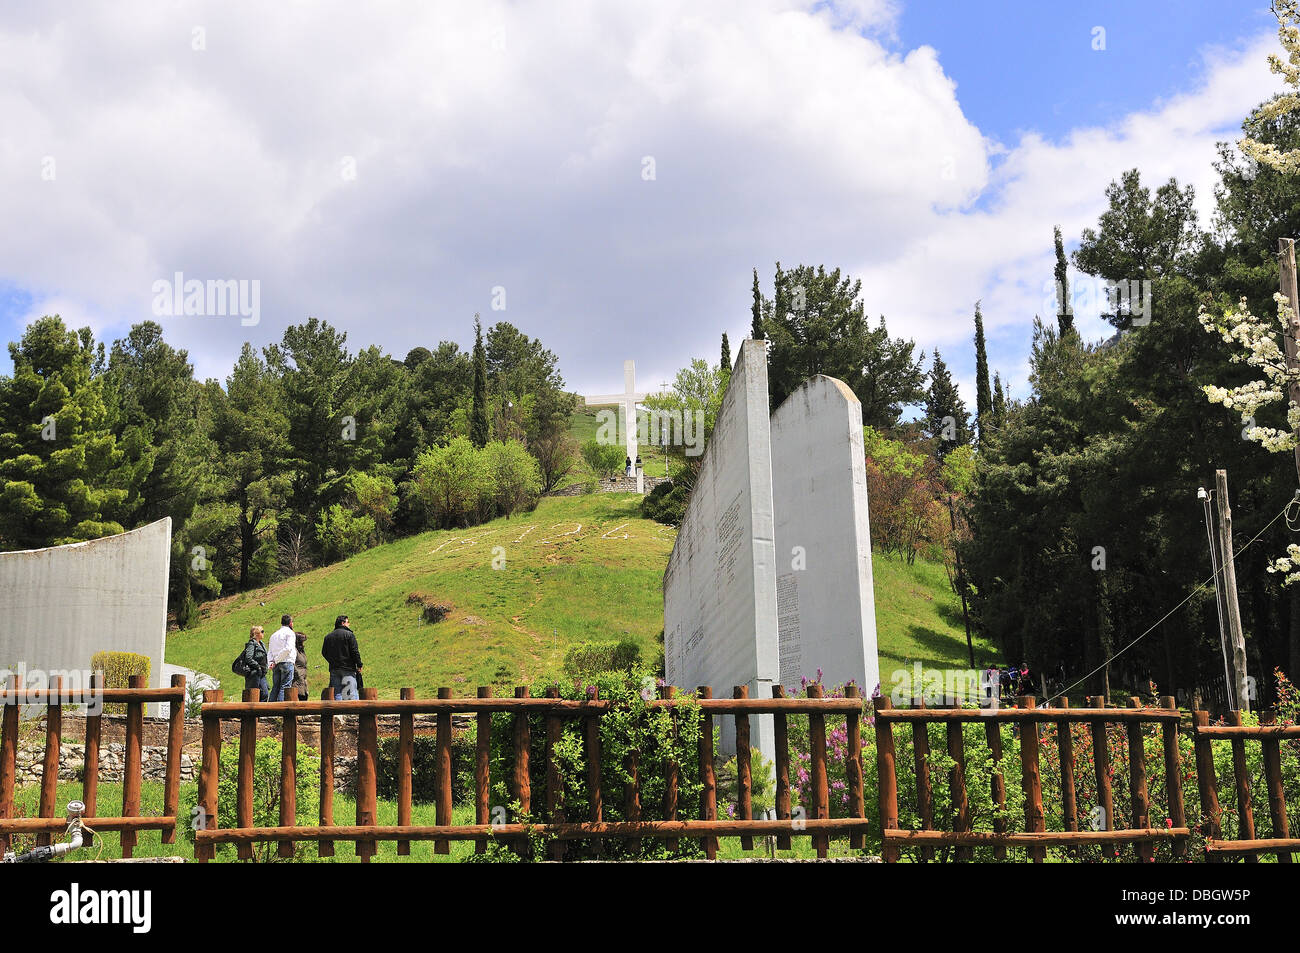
(588, 659)
(424, 768)
(513, 475)
(666, 503)
(266, 795)
(604, 459)
(342, 533)
(118, 667)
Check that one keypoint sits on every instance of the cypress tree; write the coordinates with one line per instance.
(756, 310)
(478, 422)
(942, 401)
(726, 353)
(983, 395)
(1064, 313)
(999, 402)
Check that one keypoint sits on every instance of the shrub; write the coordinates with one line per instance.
(588, 659)
(513, 475)
(342, 533)
(266, 795)
(424, 768)
(604, 459)
(666, 503)
(118, 667)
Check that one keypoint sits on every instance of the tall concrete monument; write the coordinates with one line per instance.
(63, 604)
(770, 577)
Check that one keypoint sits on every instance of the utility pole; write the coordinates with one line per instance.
(1230, 589)
(1218, 598)
(961, 583)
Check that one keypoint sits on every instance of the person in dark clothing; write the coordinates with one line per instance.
(300, 667)
(344, 658)
(255, 663)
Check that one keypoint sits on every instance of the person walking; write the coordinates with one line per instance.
(344, 657)
(280, 653)
(300, 667)
(255, 662)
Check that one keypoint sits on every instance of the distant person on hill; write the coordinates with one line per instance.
(255, 663)
(300, 667)
(340, 651)
(281, 654)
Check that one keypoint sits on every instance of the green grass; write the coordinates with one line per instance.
(559, 585)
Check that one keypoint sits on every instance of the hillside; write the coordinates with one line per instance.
(575, 569)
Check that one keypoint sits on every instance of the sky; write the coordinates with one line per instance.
(602, 175)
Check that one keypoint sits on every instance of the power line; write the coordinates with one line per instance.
(1158, 622)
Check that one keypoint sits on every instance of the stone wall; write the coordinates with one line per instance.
(30, 763)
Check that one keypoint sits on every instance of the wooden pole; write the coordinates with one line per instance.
(1139, 801)
(554, 781)
(133, 769)
(1065, 749)
(998, 783)
(50, 767)
(1206, 781)
(957, 784)
(1030, 781)
(887, 786)
(367, 775)
(405, 770)
(781, 733)
(921, 765)
(708, 781)
(674, 771)
(244, 777)
(1101, 766)
(482, 755)
(90, 767)
(288, 779)
(1241, 777)
(8, 759)
(820, 791)
(325, 846)
(853, 769)
(209, 775)
(1230, 589)
(744, 778)
(1273, 778)
(1174, 776)
(442, 807)
(175, 745)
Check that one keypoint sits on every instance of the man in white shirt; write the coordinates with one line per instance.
(280, 655)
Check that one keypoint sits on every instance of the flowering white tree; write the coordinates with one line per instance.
(1261, 342)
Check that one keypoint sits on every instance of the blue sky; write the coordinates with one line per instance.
(388, 171)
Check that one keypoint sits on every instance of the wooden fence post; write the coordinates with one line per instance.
(367, 774)
(1030, 780)
(8, 756)
(1139, 801)
(1065, 749)
(921, 765)
(957, 785)
(244, 780)
(669, 693)
(591, 738)
(1206, 782)
(744, 777)
(1241, 774)
(288, 775)
(853, 770)
(1174, 776)
(325, 846)
(175, 747)
(522, 781)
(209, 775)
(1273, 778)
(133, 770)
(442, 808)
(405, 768)
(887, 786)
(997, 782)
(90, 764)
(50, 766)
(708, 781)
(554, 780)
(482, 757)
(1101, 764)
(820, 791)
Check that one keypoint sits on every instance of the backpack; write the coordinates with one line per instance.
(242, 665)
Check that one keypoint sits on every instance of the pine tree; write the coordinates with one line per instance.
(983, 395)
(478, 422)
(726, 353)
(946, 417)
(1064, 313)
(756, 310)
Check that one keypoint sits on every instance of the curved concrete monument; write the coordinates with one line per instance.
(61, 605)
(770, 579)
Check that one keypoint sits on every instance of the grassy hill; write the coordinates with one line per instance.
(575, 569)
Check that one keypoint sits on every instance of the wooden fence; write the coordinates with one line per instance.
(1027, 718)
(550, 711)
(1270, 736)
(50, 819)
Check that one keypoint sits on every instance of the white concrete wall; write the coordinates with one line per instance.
(720, 584)
(59, 606)
(826, 610)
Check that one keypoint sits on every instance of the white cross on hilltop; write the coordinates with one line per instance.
(627, 401)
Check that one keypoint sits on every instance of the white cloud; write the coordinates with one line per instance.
(502, 144)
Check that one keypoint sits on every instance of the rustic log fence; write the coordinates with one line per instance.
(1269, 735)
(50, 819)
(1028, 718)
(550, 711)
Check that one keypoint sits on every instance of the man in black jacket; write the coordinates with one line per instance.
(344, 659)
